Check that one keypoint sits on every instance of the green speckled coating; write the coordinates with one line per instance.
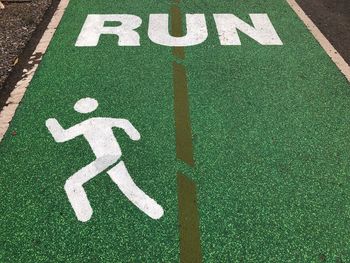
(271, 138)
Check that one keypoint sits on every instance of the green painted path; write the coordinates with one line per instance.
(270, 135)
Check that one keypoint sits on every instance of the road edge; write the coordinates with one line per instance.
(8, 111)
(324, 42)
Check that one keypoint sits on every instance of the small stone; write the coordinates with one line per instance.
(322, 258)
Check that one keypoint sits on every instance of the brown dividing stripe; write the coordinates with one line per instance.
(190, 249)
(176, 31)
(183, 131)
(184, 149)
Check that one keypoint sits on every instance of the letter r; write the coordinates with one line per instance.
(94, 27)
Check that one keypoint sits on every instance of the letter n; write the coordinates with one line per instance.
(262, 32)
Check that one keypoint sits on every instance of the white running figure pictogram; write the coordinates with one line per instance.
(98, 132)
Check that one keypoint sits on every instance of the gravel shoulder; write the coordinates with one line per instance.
(18, 21)
(21, 28)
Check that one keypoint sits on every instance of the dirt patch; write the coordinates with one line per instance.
(22, 25)
(18, 21)
(332, 17)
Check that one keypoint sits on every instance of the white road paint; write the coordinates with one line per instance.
(98, 132)
(196, 28)
(121, 177)
(263, 31)
(227, 25)
(86, 105)
(94, 27)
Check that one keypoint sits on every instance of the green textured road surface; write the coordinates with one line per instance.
(270, 131)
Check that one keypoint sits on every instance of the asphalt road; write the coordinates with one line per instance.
(332, 17)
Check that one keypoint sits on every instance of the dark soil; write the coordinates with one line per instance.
(17, 23)
(21, 28)
(332, 17)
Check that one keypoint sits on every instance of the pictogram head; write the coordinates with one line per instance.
(86, 105)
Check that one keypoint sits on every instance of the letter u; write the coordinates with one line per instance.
(158, 30)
